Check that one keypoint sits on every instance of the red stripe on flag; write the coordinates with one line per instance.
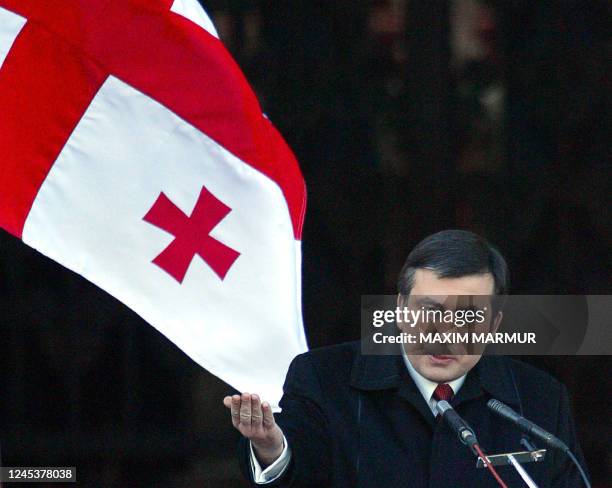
(179, 64)
(45, 86)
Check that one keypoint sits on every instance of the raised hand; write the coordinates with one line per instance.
(255, 421)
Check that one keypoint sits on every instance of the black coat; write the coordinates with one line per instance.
(360, 421)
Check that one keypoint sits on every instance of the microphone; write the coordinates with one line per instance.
(529, 427)
(466, 436)
(464, 431)
(525, 425)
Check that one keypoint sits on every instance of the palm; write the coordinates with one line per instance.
(255, 421)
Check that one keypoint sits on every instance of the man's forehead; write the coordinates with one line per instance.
(427, 282)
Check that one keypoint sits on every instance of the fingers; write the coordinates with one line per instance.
(245, 410)
(248, 412)
(256, 413)
(268, 417)
(235, 410)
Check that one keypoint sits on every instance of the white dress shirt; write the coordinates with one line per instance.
(278, 467)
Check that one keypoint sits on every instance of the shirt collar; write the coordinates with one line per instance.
(425, 386)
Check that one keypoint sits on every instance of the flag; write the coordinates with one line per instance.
(134, 152)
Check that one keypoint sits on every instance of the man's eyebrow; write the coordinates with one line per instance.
(469, 307)
(429, 301)
(473, 304)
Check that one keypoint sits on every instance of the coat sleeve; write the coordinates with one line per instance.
(306, 429)
(565, 473)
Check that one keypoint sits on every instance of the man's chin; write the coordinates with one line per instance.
(440, 368)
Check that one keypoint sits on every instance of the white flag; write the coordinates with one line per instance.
(133, 152)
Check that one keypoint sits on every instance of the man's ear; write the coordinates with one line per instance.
(401, 299)
(497, 321)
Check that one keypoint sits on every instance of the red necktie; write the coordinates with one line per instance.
(442, 392)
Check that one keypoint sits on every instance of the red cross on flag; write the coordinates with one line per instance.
(133, 152)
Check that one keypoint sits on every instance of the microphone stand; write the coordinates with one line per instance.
(521, 471)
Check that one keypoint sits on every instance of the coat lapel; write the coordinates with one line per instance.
(373, 373)
(493, 378)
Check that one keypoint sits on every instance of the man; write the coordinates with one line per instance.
(352, 420)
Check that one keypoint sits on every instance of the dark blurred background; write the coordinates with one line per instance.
(407, 117)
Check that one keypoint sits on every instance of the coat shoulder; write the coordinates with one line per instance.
(333, 361)
(535, 382)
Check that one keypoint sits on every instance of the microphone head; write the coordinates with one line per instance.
(443, 406)
(495, 405)
(503, 410)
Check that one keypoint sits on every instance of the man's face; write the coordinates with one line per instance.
(428, 286)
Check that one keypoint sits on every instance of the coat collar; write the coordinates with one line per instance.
(491, 376)
(371, 372)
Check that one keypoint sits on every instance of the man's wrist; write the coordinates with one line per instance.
(266, 456)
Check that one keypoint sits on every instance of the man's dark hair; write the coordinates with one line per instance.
(453, 254)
